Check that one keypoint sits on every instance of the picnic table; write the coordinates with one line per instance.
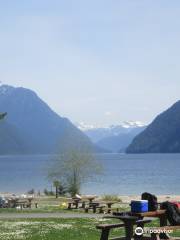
(161, 214)
(22, 203)
(77, 203)
(128, 224)
(94, 206)
(102, 206)
(90, 198)
(130, 219)
(109, 205)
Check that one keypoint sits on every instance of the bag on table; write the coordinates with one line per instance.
(172, 212)
(152, 201)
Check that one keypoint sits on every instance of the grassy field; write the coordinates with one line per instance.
(54, 229)
(51, 205)
(50, 229)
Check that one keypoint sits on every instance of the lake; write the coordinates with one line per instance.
(123, 174)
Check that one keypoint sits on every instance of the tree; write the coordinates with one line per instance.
(73, 168)
(56, 184)
(60, 189)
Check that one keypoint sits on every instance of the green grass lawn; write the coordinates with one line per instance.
(51, 205)
(50, 229)
(54, 229)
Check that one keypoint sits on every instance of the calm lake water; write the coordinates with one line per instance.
(123, 174)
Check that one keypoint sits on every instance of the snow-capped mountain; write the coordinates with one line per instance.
(97, 132)
(84, 126)
(113, 137)
(133, 124)
(126, 124)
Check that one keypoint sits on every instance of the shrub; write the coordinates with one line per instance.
(48, 193)
(109, 197)
(31, 192)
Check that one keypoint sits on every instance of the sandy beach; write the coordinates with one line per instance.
(161, 198)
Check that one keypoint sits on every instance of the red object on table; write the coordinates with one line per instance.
(177, 204)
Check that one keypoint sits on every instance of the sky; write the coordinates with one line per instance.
(100, 62)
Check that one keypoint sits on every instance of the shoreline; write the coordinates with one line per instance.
(161, 198)
(125, 198)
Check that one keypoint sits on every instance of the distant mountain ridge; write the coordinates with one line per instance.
(32, 127)
(119, 143)
(114, 138)
(161, 136)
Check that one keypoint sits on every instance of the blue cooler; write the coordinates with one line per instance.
(139, 206)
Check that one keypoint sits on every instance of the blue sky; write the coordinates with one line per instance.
(101, 62)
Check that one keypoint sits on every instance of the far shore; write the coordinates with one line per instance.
(125, 198)
(161, 198)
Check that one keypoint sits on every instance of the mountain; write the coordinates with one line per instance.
(114, 138)
(120, 142)
(10, 140)
(31, 127)
(161, 136)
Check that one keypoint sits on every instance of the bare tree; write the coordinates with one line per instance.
(73, 168)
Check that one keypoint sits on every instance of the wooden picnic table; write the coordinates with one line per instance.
(160, 214)
(109, 205)
(78, 203)
(90, 198)
(23, 204)
(94, 206)
(73, 202)
(128, 223)
(102, 206)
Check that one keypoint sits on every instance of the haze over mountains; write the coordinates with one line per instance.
(31, 127)
(161, 136)
(115, 138)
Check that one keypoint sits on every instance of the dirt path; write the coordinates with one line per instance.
(48, 215)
